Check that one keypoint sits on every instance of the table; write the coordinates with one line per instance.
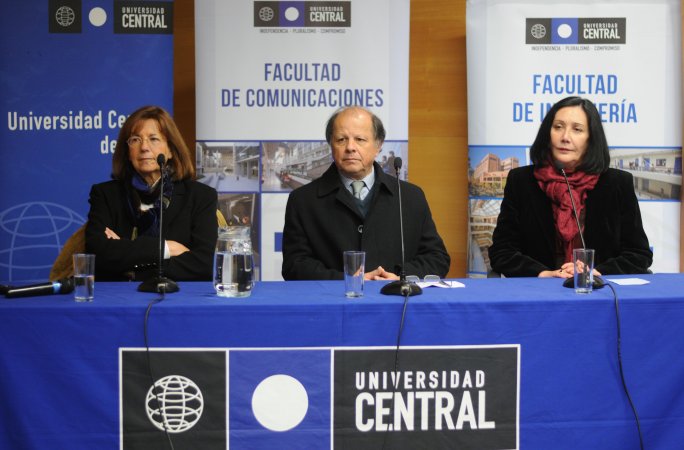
(61, 385)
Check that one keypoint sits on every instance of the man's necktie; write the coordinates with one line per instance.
(356, 188)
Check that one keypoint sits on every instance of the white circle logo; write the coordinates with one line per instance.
(280, 402)
(177, 406)
(292, 14)
(97, 17)
(565, 31)
(65, 16)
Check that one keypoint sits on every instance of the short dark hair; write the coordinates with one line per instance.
(378, 127)
(183, 168)
(596, 159)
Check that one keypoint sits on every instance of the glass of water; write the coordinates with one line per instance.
(354, 269)
(84, 277)
(583, 259)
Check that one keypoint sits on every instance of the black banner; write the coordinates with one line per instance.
(437, 398)
(190, 391)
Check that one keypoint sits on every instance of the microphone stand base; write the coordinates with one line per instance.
(401, 287)
(597, 284)
(159, 284)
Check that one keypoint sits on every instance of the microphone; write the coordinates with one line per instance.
(401, 286)
(598, 282)
(160, 283)
(63, 286)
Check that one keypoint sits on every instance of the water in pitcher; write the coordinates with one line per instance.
(233, 263)
(233, 274)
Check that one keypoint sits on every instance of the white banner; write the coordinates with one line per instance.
(269, 74)
(625, 56)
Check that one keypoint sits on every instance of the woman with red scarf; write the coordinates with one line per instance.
(536, 229)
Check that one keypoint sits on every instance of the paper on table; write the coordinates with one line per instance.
(628, 281)
(441, 284)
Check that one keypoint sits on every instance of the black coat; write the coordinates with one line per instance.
(524, 241)
(322, 221)
(190, 219)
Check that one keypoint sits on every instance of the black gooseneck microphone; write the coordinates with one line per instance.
(401, 286)
(160, 283)
(63, 286)
(598, 282)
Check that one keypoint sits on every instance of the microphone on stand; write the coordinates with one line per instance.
(598, 282)
(160, 283)
(401, 286)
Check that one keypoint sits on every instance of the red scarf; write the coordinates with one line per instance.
(553, 184)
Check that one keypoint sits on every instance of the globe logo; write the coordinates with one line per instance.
(538, 31)
(31, 237)
(177, 405)
(266, 14)
(65, 16)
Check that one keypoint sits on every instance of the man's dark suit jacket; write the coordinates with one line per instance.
(524, 241)
(322, 221)
(189, 219)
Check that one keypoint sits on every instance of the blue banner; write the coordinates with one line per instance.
(71, 72)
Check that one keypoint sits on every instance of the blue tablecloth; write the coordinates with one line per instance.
(60, 360)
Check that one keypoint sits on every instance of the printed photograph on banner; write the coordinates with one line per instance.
(389, 152)
(662, 226)
(187, 399)
(489, 166)
(242, 209)
(272, 223)
(483, 215)
(657, 172)
(228, 166)
(288, 165)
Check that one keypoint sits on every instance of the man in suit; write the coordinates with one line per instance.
(354, 205)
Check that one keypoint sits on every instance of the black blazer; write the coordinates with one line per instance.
(189, 219)
(322, 221)
(524, 240)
